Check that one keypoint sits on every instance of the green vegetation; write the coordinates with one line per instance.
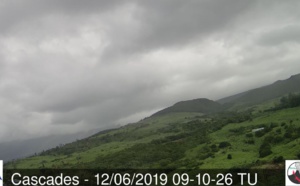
(197, 105)
(290, 101)
(245, 132)
(229, 156)
(183, 140)
(264, 94)
(264, 150)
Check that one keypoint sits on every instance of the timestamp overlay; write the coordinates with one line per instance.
(143, 177)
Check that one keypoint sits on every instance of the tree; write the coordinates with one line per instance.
(292, 100)
(264, 150)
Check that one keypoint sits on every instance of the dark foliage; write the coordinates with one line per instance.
(290, 101)
(224, 144)
(249, 135)
(229, 156)
(250, 141)
(264, 150)
(278, 159)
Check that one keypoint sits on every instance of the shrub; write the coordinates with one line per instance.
(278, 131)
(273, 125)
(260, 133)
(278, 139)
(264, 150)
(229, 156)
(269, 139)
(249, 135)
(249, 141)
(224, 144)
(214, 148)
(278, 159)
(288, 135)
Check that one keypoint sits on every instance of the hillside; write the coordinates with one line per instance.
(182, 140)
(265, 93)
(197, 133)
(23, 148)
(201, 105)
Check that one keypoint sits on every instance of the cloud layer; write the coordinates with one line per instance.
(68, 66)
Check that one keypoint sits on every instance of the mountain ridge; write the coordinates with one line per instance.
(249, 97)
(187, 135)
(202, 105)
(267, 92)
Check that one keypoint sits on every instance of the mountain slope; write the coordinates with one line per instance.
(182, 140)
(23, 148)
(197, 133)
(201, 105)
(265, 93)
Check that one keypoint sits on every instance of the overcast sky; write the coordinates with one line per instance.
(68, 66)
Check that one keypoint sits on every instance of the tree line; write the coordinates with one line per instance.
(292, 100)
(289, 101)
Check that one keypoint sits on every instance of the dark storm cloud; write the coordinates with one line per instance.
(68, 66)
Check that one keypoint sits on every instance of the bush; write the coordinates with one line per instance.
(269, 139)
(249, 141)
(288, 135)
(278, 131)
(259, 133)
(214, 148)
(249, 135)
(278, 139)
(264, 150)
(238, 130)
(229, 156)
(273, 125)
(224, 144)
(278, 159)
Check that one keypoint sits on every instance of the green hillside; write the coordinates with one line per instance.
(191, 134)
(259, 95)
(201, 105)
(183, 140)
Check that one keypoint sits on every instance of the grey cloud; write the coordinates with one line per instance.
(170, 23)
(287, 34)
(14, 13)
(68, 66)
(177, 22)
